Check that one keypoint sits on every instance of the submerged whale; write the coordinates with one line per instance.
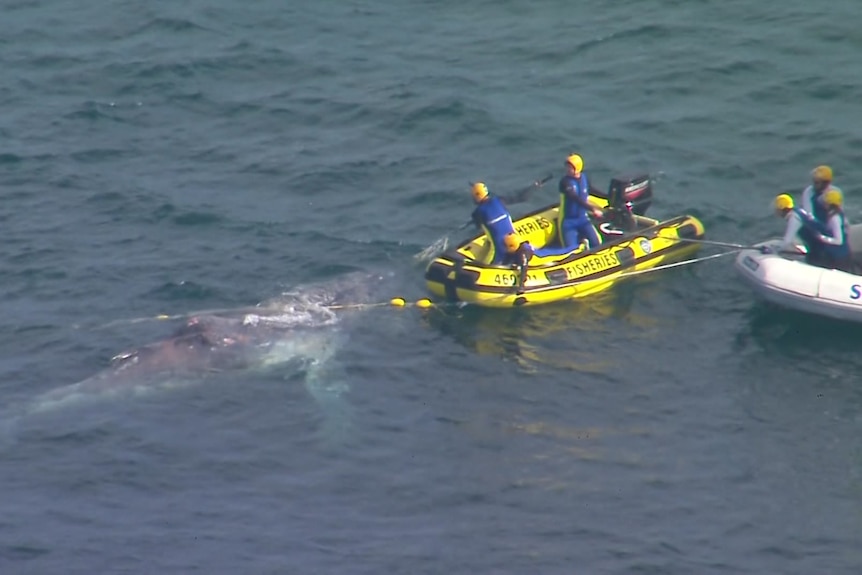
(301, 329)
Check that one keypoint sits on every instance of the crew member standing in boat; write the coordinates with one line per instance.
(797, 218)
(493, 217)
(834, 240)
(812, 196)
(575, 205)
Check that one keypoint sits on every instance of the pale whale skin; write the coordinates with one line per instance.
(299, 331)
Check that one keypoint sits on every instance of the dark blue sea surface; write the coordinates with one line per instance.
(162, 158)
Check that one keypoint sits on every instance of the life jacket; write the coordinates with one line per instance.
(820, 213)
(818, 210)
(494, 218)
(570, 210)
(840, 252)
(809, 230)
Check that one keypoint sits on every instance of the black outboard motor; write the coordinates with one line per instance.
(627, 195)
(631, 192)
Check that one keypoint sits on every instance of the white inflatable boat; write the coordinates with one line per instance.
(786, 280)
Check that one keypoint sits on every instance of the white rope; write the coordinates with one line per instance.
(679, 264)
(709, 243)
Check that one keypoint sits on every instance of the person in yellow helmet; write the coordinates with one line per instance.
(833, 238)
(492, 216)
(827, 244)
(796, 229)
(518, 254)
(821, 182)
(575, 206)
(512, 242)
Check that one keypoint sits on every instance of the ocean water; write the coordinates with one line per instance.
(161, 158)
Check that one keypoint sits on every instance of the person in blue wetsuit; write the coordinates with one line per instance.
(575, 206)
(493, 217)
(832, 235)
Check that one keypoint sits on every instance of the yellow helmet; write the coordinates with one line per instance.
(576, 162)
(833, 198)
(513, 242)
(822, 173)
(783, 202)
(479, 191)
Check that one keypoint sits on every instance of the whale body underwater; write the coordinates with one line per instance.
(299, 331)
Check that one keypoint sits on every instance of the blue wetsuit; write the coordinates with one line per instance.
(494, 218)
(574, 223)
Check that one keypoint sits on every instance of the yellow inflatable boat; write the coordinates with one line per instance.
(630, 242)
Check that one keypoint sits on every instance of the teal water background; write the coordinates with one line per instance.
(167, 157)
